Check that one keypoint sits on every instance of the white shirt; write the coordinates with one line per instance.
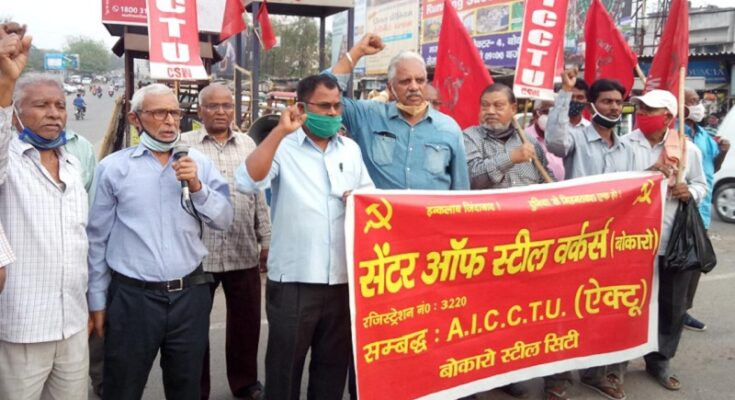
(308, 239)
(6, 253)
(644, 156)
(45, 293)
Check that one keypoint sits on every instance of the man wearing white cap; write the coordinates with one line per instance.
(653, 143)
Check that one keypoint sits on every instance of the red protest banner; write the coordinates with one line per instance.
(454, 293)
(542, 44)
(173, 40)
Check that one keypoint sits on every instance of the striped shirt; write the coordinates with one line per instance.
(44, 298)
(236, 248)
(489, 164)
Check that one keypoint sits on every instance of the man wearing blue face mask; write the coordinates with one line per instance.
(43, 207)
(311, 169)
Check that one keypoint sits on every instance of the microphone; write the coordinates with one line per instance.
(181, 151)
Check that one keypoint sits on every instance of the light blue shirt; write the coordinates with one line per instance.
(307, 212)
(583, 150)
(138, 227)
(428, 155)
(710, 150)
(82, 149)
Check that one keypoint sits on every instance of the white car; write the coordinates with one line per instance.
(724, 190)
(70, 89)
(86, 81)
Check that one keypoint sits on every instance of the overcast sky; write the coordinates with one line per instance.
(52, 21)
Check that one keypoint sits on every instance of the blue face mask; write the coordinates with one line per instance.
(156, 145)
(37, 141)
(40, 142)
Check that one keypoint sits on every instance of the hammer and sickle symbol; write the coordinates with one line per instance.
(645, 196)
(380, 220)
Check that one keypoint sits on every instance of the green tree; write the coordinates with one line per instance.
(298, 53)
(35, 59)
(94, 56)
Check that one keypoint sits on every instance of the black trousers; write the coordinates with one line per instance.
(139, 323)
(673, 296)
(242, 296)
(303, 316)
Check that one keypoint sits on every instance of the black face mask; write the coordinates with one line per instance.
(602, 120)
(576, 108)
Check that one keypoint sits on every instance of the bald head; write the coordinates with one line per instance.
(211, 89)
(216, 109)
(691, 98)
(432, 96)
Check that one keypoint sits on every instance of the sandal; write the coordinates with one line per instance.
(609, 388)
(555, 393)
(666, 379)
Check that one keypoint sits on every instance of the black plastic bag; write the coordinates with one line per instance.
(689, 246)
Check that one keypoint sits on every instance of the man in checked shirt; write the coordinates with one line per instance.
(234, 255)
(496, 156)
(43, 207)
(6, 257)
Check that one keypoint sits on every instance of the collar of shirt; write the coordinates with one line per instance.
(584, 122)
(393, 112)
(22, 148)
(591, 134)
(638, 137)
(301, 139)
(203, 135)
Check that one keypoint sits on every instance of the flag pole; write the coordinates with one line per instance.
(536, 162)
(640, 74)
(682, 138)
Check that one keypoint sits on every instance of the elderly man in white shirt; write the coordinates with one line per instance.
(43, 208)
(652, 144)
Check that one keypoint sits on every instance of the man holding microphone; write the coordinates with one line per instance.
(147, 289)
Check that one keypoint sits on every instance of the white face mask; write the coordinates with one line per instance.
(542, 121)
(696, 113)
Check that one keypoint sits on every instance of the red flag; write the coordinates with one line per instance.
(459, 70)
(266, 30)
(232, 22)
(673, 50)
(607, 53)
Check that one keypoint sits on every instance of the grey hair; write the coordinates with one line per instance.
(22, 87)
(400, 57)
(212, 86)
(136, 104)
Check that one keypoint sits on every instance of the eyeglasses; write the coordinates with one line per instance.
(326, 107)
(161, 115)
(226, 107)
